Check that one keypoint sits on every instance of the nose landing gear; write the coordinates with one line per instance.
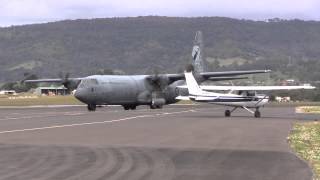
(257, 113)
(92, 107)
(227, 113)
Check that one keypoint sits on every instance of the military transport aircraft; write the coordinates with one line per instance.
(244, 97)
(133, 90)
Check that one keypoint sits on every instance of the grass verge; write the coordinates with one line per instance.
(308, 109)
(305, 140)
(38, 100)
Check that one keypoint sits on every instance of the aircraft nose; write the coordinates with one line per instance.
(80, 94)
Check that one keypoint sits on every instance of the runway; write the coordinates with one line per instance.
(176, 142)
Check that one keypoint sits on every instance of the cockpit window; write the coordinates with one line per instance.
(251, 93)
(85, 83)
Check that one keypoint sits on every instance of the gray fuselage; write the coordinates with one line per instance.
(122, 90)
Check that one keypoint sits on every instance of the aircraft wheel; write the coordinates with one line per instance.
(92, 107)
(155, 106)
(227, 113)
(133, 107)
(126, 107)
(257, 114)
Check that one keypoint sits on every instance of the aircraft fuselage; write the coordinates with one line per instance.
(122, 90)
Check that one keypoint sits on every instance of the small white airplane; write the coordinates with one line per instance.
(245, 97)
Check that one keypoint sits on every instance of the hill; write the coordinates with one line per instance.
(140, 45)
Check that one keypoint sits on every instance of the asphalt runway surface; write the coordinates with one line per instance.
(176, 142)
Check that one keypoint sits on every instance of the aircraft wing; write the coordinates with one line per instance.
(207, 75)
(254, 88)
(44, 80)
(51, 80)
(215, 75)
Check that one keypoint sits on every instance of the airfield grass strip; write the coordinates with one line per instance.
(292, 104)
(305, 140)
(38, 100)
(309, 109)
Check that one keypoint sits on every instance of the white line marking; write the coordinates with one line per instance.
(82, 105)
(51, 114)
(92, 123)
(42, 116)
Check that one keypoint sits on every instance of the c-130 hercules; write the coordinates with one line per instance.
(130, 91)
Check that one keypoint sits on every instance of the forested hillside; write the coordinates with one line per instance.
(140, 45)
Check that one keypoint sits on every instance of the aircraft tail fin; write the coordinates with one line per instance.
(197, 53)
(192, 84)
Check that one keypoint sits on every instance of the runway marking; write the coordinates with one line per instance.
(92, 123)
(41, 116)
(51, 114)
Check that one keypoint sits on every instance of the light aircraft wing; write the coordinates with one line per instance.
(254, 88)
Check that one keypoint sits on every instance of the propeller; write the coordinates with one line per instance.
(158, 81)
(66, 81)
(28, 76)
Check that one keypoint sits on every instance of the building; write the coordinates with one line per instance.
(52, 91)
(8, 92)
(283, 99)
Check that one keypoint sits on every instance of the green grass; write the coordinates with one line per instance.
(32, 100)
(292, 104)
(305, 140)
(309, 109)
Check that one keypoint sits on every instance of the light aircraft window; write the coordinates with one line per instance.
(251, 93)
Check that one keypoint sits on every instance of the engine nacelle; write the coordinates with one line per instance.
(173, 91)
(158, 102)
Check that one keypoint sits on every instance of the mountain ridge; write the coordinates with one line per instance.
(139, 45)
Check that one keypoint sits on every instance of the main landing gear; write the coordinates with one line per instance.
(128, 107)
(256, 113)
(153, 106)
(92, 107)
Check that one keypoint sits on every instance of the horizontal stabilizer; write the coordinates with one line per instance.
(225, 78)
(207, 75)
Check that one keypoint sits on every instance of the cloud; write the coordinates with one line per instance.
(36, 11)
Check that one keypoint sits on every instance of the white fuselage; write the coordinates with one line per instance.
(232, 99)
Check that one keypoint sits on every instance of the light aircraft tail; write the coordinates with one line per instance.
(192, 84)
(197, 55)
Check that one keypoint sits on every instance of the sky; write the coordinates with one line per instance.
(19, 12)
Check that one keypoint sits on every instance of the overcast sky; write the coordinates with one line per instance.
(17, 12)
